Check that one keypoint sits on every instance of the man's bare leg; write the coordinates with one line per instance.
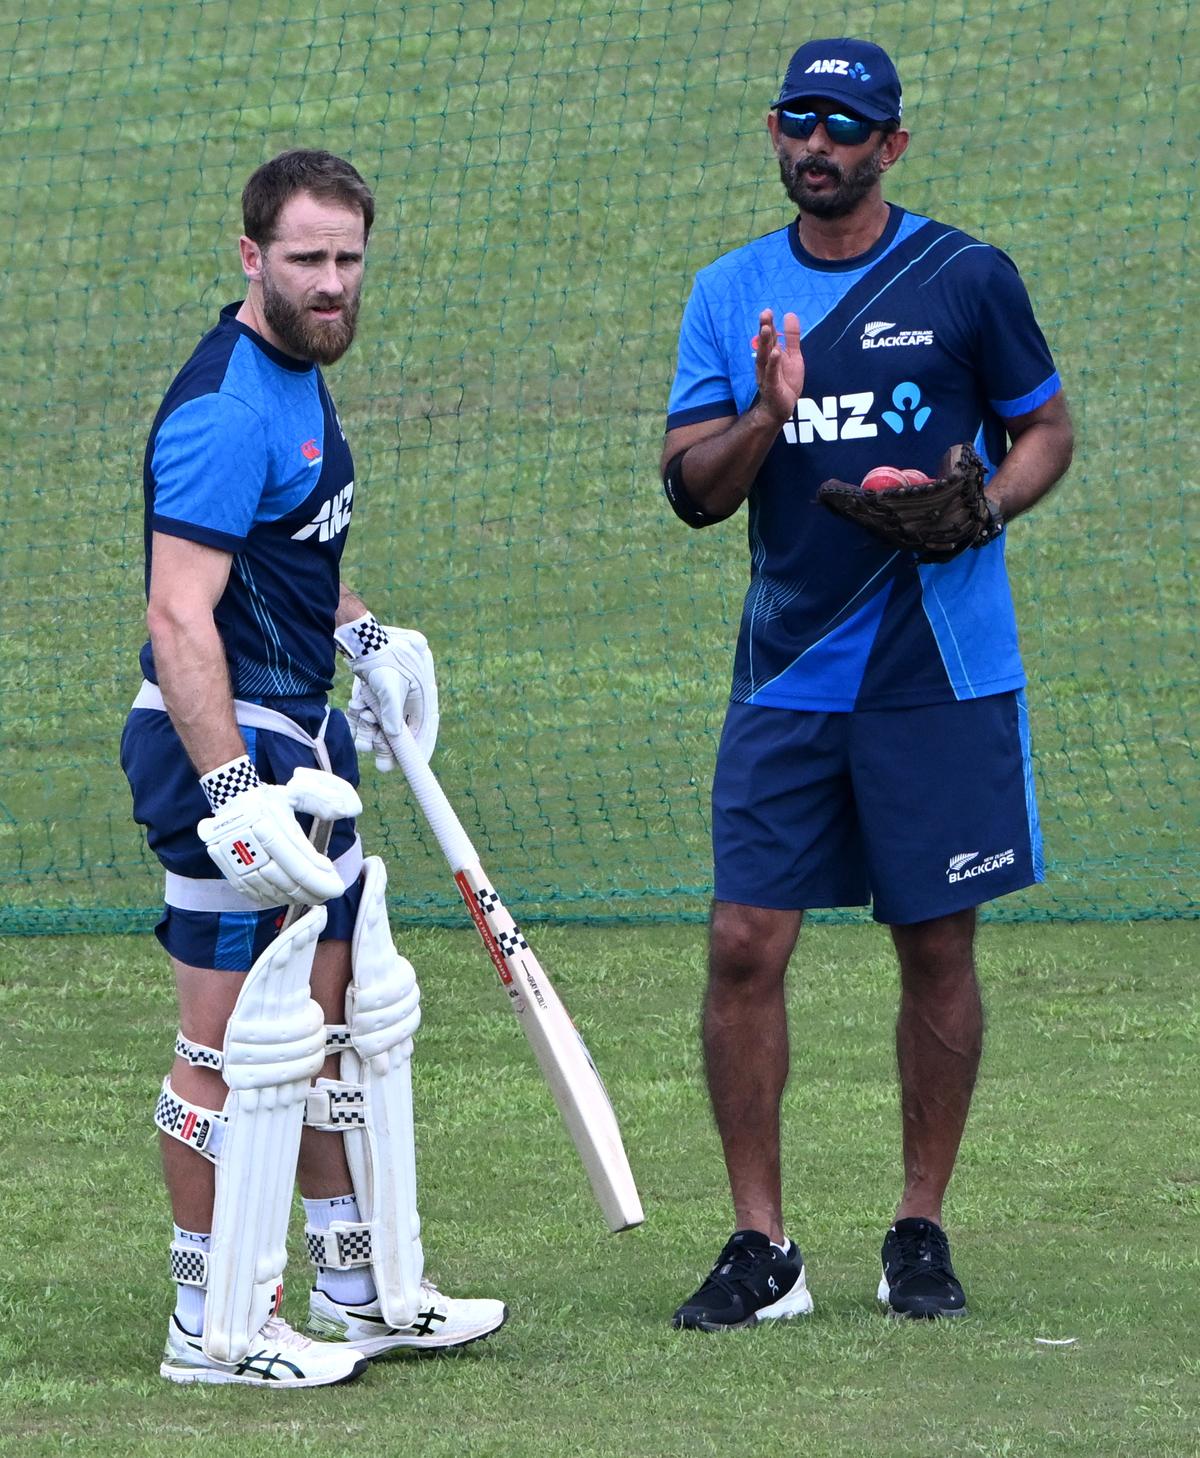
(746, 1053)
(939, 1042)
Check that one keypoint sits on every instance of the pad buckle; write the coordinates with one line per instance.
(339, 1248)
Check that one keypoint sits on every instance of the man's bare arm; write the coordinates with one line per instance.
(1043, 443)
(723, 455)
(350, 607)
(186, 583)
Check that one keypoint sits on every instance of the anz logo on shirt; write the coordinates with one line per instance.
(333, 517)
(844, 417)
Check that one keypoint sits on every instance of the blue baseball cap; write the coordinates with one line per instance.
(855, 73)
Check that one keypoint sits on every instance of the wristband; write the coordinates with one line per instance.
(228, 780)
(360, 638)
(997, 522)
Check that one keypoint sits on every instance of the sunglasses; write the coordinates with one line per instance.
(848, 131)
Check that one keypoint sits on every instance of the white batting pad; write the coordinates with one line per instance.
(274, 1045)
(382, 1013)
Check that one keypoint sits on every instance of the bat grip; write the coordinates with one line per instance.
(429, 795)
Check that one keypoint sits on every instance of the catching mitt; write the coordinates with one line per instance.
(935, 519)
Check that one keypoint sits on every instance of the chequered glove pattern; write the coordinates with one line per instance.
(366, 633)
(228, 780)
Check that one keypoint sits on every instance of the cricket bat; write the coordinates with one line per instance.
(561, 1053)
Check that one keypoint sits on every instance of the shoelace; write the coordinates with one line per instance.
(926, 1246)
(734, 1260)
(277, 1331)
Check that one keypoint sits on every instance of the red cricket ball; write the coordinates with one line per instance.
(884, 478)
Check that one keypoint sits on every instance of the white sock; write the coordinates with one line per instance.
(785, 1249)
(189, 1300)
(356, 1286)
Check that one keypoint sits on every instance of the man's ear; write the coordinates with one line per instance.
(252, 258)
(895, 144)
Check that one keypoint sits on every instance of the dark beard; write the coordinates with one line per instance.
(851, 187)
(303, 336)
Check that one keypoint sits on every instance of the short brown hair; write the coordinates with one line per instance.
(324, 176)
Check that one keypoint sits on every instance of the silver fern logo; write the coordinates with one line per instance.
(877, 328)
(966, 865)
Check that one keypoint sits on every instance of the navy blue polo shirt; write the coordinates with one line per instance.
(247, 455)
(926, 340)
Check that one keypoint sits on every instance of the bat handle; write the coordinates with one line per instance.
(319, 833)
(429, 795)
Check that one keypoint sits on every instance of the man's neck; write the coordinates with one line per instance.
(848, 237)
(251, 315)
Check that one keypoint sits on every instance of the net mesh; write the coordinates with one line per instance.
(549, 177)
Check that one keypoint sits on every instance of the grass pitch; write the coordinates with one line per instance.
(1073, 1213)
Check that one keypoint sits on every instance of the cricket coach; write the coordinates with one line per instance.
(876, 748)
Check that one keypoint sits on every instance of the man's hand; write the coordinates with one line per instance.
(779, 365)
(395, 688)
(256, 842)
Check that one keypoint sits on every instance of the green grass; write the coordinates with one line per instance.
(550, 176)
(1074, 1214)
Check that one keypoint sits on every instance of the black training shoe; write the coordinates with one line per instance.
(752, 1281)
(918, 1279)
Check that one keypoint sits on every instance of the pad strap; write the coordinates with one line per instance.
(337, 1038)
(335, 1107)
(189, 1264)
(200, 1129)
(197, 1054)
(339, 1248)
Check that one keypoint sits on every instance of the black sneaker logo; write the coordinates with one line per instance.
(263, 1366)
(425, 1319)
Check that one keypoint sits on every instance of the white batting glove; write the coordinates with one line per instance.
(395, 688)
(369, 738)
(255, 841)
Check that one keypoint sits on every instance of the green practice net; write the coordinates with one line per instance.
(549, 178)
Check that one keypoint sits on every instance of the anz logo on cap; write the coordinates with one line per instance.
(838, 68)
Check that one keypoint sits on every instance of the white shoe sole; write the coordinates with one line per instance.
(797, 1302)
(372, 1347)
(213, 1376)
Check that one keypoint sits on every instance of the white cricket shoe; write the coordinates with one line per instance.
(442, 1323)
(278, 1357)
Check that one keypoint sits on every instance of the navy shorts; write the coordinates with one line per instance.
(919, 812)
(206, 922)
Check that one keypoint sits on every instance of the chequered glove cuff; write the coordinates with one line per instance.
(228, 780)
(361, 638)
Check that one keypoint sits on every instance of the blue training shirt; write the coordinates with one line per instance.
(926, 340)
(247, 455)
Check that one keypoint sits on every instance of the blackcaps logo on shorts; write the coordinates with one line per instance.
(966, 865)
(333, 517)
